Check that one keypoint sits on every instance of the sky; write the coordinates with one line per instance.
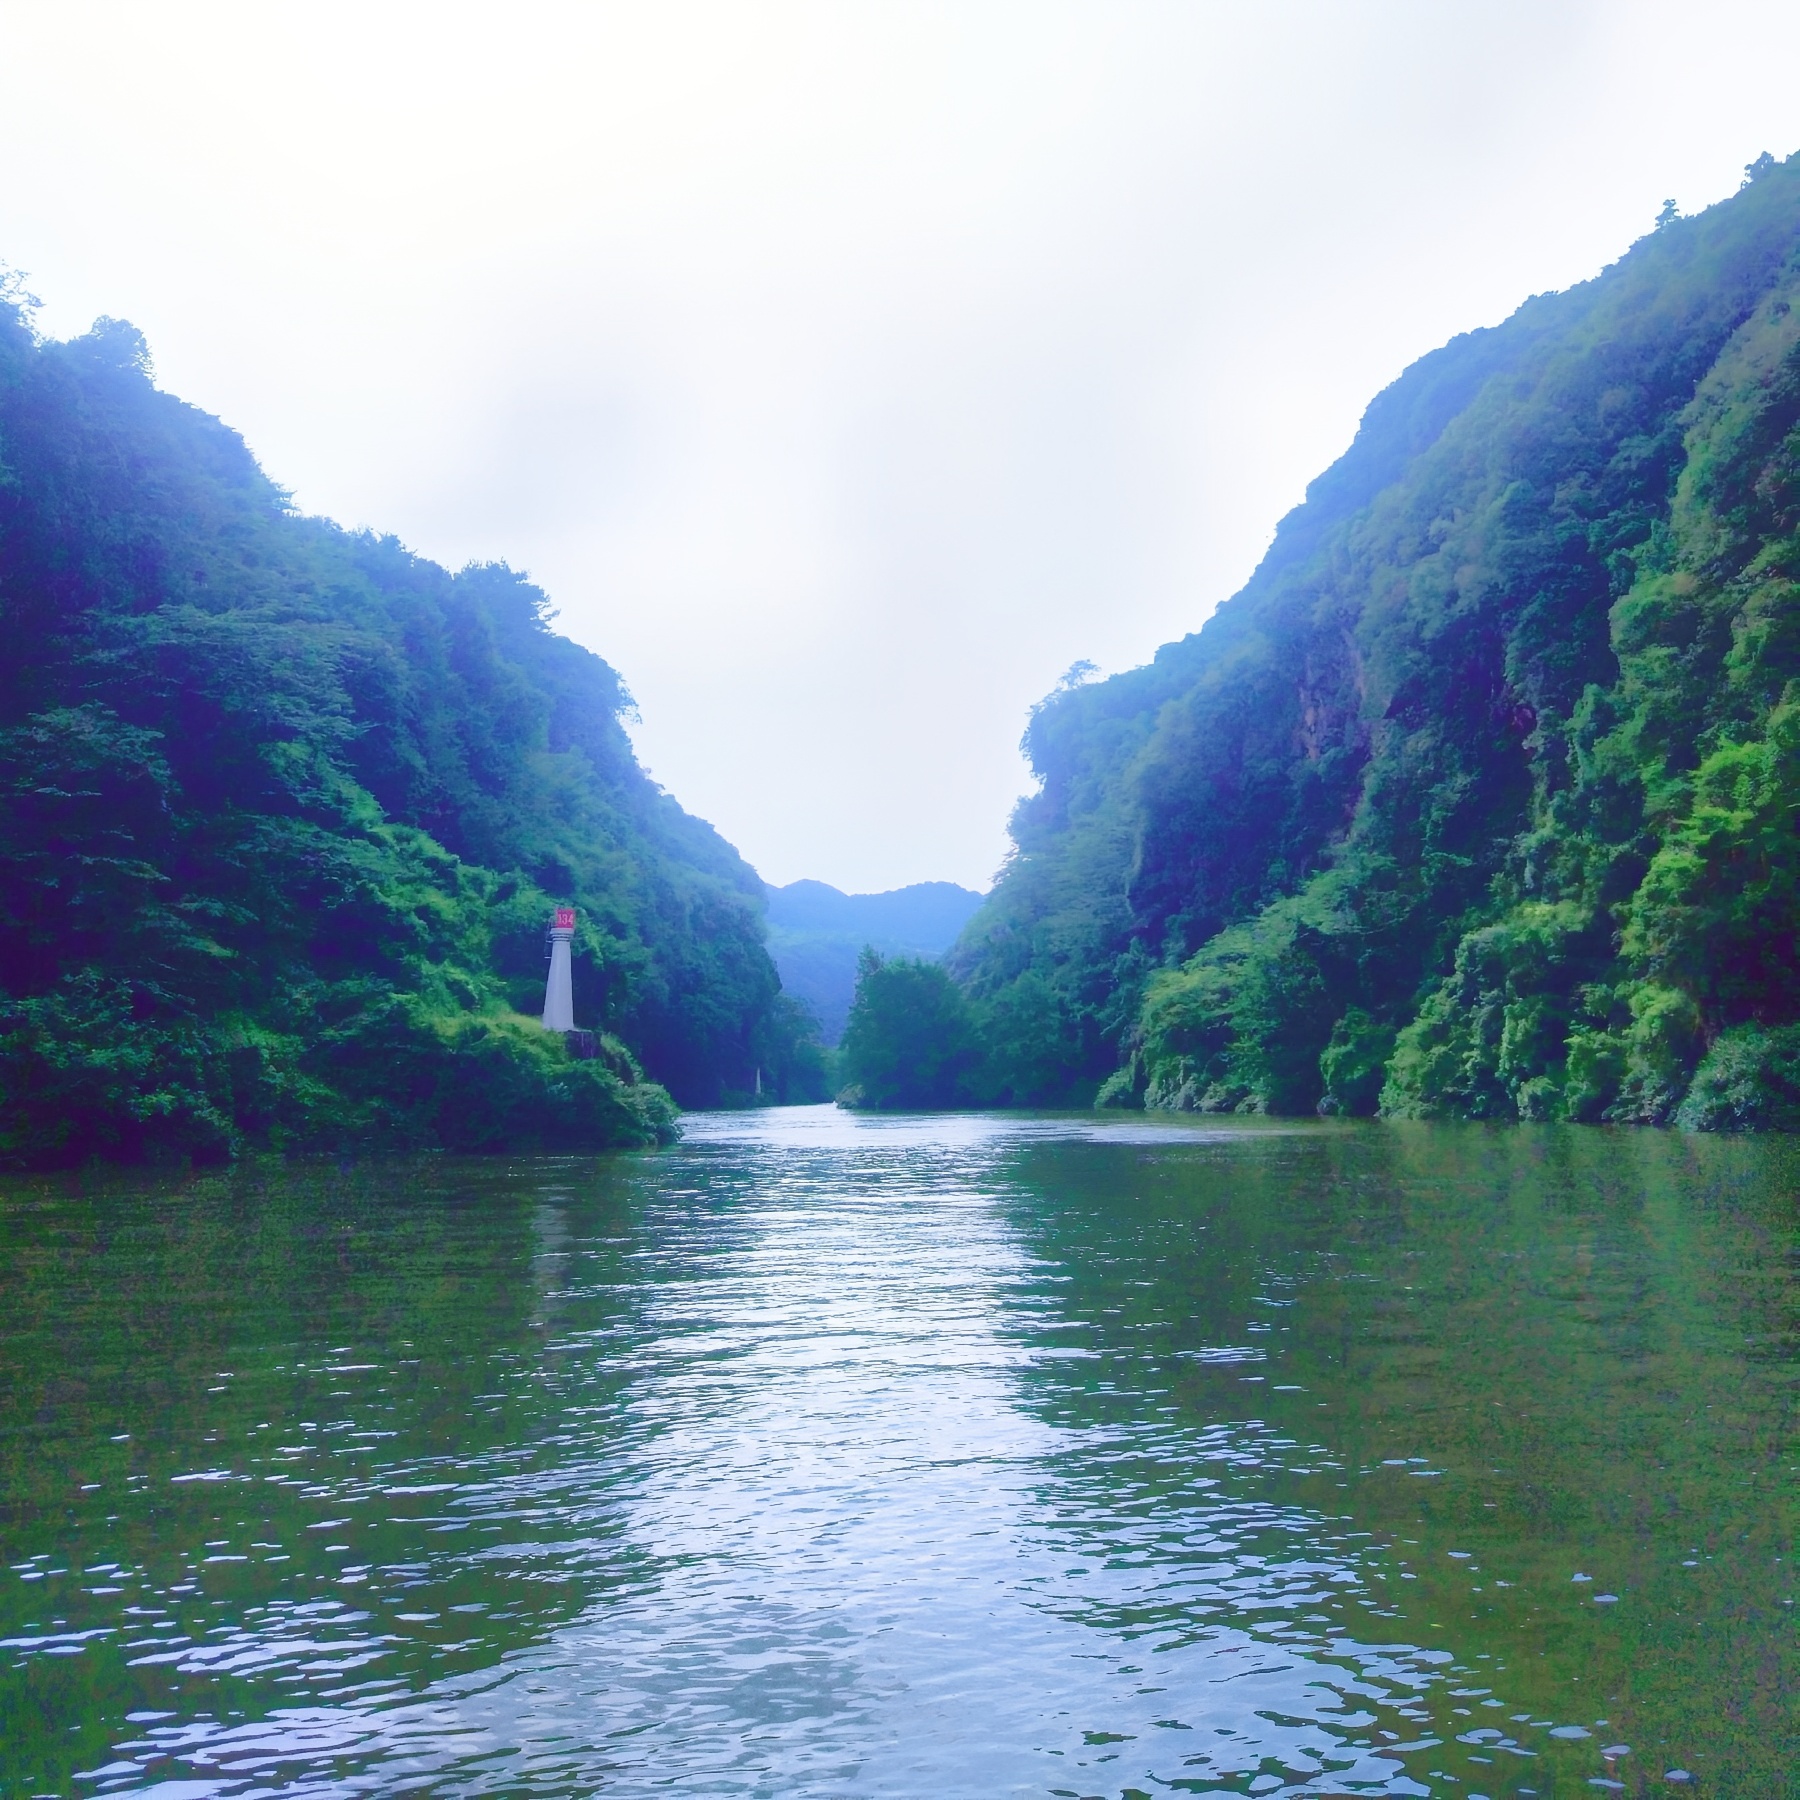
(844, 372)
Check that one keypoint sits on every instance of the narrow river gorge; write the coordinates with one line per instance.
(832, 1455)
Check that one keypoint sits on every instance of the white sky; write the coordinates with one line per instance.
(844, 371)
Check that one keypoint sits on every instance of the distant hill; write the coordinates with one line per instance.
(817, 932)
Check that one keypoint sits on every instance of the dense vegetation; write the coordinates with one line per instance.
(910, 1040)
(1480, 799)
(283, 810)
(817, 933)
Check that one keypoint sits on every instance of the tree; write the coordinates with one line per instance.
(910, 1041)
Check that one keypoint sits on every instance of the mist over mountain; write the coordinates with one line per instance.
(1480, 798)
(816, 934)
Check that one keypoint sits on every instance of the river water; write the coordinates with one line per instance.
(831, 1455)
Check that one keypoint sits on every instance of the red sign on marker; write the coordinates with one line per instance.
(565, 918)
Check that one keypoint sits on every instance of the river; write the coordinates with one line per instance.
(973, 1455)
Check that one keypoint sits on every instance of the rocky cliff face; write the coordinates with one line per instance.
(1473, 800)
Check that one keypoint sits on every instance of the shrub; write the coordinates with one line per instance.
(910, 1041)
(1749, 1080)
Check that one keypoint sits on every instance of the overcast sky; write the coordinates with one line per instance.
(845, 372)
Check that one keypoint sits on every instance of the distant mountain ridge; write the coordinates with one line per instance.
(816, 933)
(929, 914)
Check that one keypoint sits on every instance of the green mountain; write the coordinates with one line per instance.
(817, 933)
(284, 809)
(1480, 799)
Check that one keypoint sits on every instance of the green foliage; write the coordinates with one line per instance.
(1019, 1032)
(81, 1077)
(910, 1041)
(1490, 1040)
(916, 1040)
(485, 1083)
(1748, 1080)
(1717, 909)
(1353, 1064)
(283, 811)
(817, 934)
(796, 1069)
(1480, 800)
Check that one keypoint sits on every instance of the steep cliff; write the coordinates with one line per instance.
(1480, 798)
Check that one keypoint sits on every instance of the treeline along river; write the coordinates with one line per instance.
(827, 1455)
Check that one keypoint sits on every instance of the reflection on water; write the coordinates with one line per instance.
(833, 1456)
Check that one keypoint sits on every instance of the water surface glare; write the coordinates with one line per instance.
(967, 1455)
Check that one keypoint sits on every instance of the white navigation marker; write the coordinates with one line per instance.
(559, 995)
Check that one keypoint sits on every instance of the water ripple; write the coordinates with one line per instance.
(805, 1460)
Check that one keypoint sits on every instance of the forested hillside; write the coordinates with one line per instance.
(284, 809)
(817, 933)
(1480, 799)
